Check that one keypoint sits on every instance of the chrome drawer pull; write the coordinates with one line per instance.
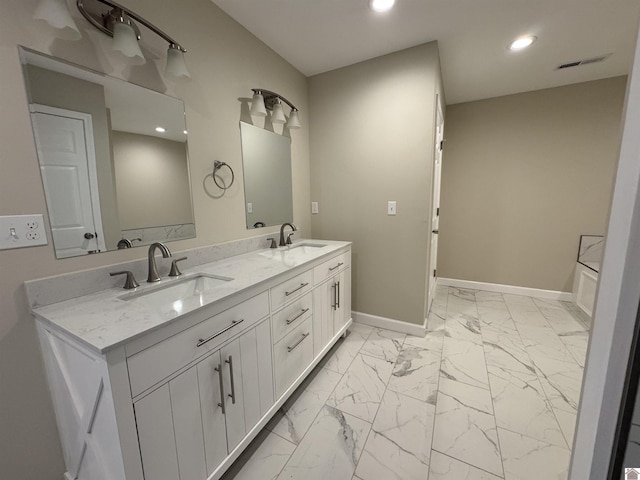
(302, 285)
(202, 341)
(221, 404)
(338, 295)
(233, 386)
(291, 320)
(293, 347)
(334, 305)
(331, 269)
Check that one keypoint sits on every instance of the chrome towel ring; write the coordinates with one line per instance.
(217, 165)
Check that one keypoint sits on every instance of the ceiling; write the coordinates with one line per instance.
(316, 36)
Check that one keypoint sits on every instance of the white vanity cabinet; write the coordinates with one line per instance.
(181, 400)
(189, 425)
(331, 298)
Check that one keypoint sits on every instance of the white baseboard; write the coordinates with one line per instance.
(512, 289)
(390, 324)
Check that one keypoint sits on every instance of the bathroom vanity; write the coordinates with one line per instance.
(174, 380)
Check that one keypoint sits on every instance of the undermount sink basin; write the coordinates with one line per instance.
(292, 253)
(306, 245)
(187, 289)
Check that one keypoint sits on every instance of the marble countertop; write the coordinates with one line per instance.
(105, 320)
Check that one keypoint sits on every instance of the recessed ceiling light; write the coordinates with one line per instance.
(522, 42)
(381, 5)
(161, 129)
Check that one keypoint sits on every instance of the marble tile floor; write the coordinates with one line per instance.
(491, 392)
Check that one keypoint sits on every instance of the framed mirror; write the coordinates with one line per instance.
(266, 164)
(113, 158)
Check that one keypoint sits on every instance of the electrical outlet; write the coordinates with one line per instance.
(17, 231)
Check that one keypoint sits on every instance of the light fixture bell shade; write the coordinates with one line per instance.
(294, 121)
(257, 105)
(56, 13)
(125, 41)
(176, 67)
(277, 116)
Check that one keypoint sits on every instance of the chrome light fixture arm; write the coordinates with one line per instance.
(271, 98)
(101, 20)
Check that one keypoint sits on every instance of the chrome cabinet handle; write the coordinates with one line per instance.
(334, 301)
(302, 285)
(202, 341)
(338, 295)
(233, 387)
(221, 404)
(293, 347)
(331, 269)
(291, 320)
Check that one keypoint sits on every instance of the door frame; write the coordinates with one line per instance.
(91, 163)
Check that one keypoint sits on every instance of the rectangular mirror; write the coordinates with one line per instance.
(266, 164)
(113, 158)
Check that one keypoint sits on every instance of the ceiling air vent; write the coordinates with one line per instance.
(585, 61)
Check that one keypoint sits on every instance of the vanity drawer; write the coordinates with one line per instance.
(331, 267)
(151, 365)
(290, 289)
(291, 316)
(292, 355)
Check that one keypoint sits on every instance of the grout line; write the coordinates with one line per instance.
(470, 464)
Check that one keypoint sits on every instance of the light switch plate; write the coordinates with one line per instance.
(18, 231)
(391, 207)
(249, 207)
(314, 207)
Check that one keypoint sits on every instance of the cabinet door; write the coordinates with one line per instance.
(323, 308)
(170, 430)
(342, 312)
(233, 393)
(210, 375)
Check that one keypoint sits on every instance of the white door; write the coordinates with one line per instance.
(64, 140)
(435, 205)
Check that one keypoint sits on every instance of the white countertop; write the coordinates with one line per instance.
(104, 320)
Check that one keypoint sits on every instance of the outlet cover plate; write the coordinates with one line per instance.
(19, 231)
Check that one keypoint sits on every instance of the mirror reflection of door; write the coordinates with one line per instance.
(435, 203)
(64, 140)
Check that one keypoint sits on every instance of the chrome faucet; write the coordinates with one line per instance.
(153, 269)
(282, 241)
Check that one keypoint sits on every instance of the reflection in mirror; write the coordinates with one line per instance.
(113, 158)
(266, 163)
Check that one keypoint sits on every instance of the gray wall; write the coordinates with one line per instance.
(371, 142)
(523, 177)
(225, 62)
(152, 178)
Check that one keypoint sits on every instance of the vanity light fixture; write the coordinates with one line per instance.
(264, 100)
(381, 5)
(521, 43)
(119, 22)
(56, 14)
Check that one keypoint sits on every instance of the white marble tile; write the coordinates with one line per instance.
(465, 426)
(561, 381)
(416, 373)
(341, 357)
(461, 300)
(504, 349)
(576, 343)
(263, 459)
(559, 318)
(330, 449)
(431, 341)
(567, 422)
(544, 343)
(296, 416)
(484, 296)
(527, 314)
(525, 458)
(361, 389)
(443, 467)
(521, 406)
(463, 326)
(464, 362)
(399, 444)
(383, 344)
(495, 313)
(512, 299)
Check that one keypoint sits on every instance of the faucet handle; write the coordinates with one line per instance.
(175, 271)
(130, 282)
(289, 238)
(273, 243)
